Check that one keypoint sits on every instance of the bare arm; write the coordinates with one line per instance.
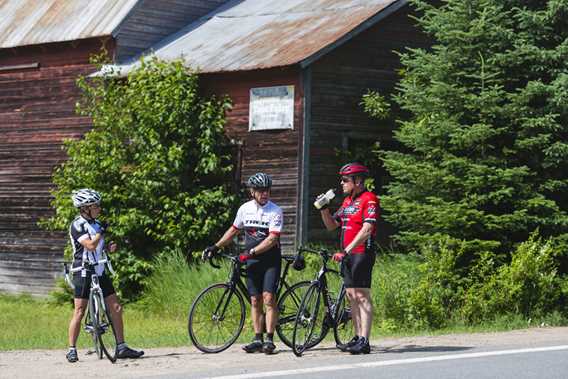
(266, 244)
(328, 220)
(227, 238)
(91, 244)
(361, 237)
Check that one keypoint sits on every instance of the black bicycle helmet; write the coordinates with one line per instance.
(299, 263)
(259, 180)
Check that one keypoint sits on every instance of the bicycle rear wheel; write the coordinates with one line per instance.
(306, 320)
(105, 330)
(343, 327)
(216, 318)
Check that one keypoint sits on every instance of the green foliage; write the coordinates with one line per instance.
(158, 155)
(485, 145)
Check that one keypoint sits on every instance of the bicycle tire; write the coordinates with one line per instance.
(343, 323)
(288, 305)
(94, 320)
(306, 320)
(105, 330)
(216, 298)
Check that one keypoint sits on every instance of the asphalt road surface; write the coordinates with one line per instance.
(532, 353)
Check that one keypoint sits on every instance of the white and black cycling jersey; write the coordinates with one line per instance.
(258, 222)
(82, 229)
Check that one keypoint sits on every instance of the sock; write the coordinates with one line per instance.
(258, 337)
(72, 348)
(270, 336)
(121, 346)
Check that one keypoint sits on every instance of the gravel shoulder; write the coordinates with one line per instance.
(48, 364)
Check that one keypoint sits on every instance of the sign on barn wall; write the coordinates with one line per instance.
(271, 108)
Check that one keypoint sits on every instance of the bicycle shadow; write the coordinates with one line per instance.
(399, 349)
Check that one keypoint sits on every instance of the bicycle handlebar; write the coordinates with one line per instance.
(85, 266)
(321, 252)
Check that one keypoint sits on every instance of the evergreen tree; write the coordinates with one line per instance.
(485, 149)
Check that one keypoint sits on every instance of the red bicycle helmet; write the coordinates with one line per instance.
(352, 169)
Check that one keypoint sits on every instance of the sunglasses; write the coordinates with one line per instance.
(345, 179)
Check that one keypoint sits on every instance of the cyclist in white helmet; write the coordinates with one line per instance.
(262, 221)
(87, 239)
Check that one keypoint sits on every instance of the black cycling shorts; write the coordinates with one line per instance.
(358, 270)
(263, 277)
(83, 286)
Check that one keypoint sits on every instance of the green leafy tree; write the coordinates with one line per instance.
(158, 154)
(484, 145)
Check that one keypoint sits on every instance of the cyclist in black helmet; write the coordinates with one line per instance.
(261, 220)
(87, 240)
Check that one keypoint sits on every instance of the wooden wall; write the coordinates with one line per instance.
(37, 111)
(339, 80)
(274, 152)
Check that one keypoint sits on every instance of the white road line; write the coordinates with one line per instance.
(390, 363)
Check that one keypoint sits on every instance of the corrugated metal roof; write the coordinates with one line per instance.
(257, 34)
(30, 22)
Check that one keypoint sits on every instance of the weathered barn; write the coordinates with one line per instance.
(44, 47)
(324, 53)
(295, 70)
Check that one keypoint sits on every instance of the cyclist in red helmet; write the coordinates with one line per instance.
(357, 217)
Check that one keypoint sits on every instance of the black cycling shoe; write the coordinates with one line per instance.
(361, 347)
(253, 347)
(268, 347)
(343, 347)
(72, 356)
(127, 352)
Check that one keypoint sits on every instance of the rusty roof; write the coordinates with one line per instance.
(258, 34)
(30, 22)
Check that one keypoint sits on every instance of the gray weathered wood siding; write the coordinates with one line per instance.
(274, 152)
(37, 111)
(339, 81)
(152, 20)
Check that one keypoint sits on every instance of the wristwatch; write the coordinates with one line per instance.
(252, 252)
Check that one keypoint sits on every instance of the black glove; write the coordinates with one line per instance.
(209, 252)
(103, 226)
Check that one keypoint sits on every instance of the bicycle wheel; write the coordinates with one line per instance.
(343, 327)
(306, 320)
(92, 322)
(288, 305)
(216, 318)
(105, 330)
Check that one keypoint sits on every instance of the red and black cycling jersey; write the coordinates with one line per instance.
(364, 207)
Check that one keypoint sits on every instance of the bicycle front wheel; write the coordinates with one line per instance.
(105, 330)
(92, 322)
(343, 329)
(306, 320)
(288, 305)
(216, 318)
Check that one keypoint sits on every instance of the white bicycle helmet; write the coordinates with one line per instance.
(85, 197)
(259, 180)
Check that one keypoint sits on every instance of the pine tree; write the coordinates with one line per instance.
(485, 147)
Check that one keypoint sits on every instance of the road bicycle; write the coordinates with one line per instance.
(320, 305)
(98, 321)
(217, 315)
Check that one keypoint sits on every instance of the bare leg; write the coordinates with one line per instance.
(355, 314)
(365, 311)
(75, 323)
(116, 315)
(256, 313)
(271, 311)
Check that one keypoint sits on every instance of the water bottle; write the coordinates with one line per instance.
(325, 199)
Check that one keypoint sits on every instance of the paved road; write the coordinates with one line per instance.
(532, 353)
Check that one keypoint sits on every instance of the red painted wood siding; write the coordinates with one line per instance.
(37, 111)
(275, 152)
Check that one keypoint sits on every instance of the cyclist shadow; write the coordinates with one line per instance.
(418, 349)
